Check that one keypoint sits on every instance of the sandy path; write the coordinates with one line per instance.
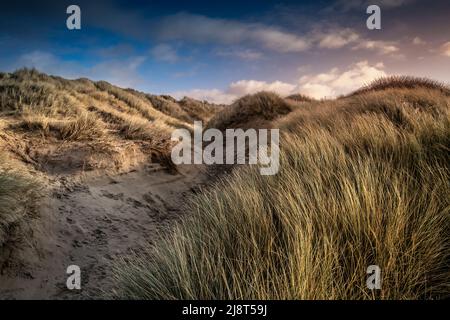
(90, 224)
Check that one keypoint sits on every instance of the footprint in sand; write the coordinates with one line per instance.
(107, 194)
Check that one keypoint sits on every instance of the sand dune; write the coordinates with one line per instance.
(91, 222)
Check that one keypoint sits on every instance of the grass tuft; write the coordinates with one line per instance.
(251, 111)
(405, 82)
(18, 194)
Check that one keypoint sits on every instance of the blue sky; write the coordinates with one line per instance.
(220, 50)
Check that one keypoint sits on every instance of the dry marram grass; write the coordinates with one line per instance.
(363, 180)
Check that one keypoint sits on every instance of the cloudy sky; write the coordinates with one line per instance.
(221, 50)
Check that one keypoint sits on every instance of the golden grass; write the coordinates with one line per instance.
(299, 98)
(39, 106)
(363, 180)
(81, 127)
(144, 106)
(84, 127)
(199, 110)
(405, 82)
(18, 194)
(250, 111)
(167, 106)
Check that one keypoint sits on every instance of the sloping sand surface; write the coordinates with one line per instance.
(90, 222)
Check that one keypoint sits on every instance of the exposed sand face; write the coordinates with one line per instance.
(90, 223)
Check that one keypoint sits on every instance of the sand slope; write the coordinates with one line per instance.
(90, 222)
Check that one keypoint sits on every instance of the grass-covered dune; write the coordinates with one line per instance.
(252, 111)
(50, 125)
(364, 180)
(19, 192)
(109, 126)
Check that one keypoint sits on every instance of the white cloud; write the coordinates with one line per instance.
(383, 47)
(418, 41)
(323, 85)
(202, 29)
(317, 90)
(211, 95)
(165, 52)
(124, 73)
(236, 90)
(243, 87)
(281, 41)
(445, 49)
(337, 39)
(335, 82)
